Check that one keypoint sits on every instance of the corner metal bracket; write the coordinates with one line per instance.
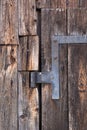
(52, 77)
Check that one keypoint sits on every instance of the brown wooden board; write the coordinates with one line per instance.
(76, 3)
(28, 104)
(28, 53)
(77, 82)
(51, 4)
(61, 3)
(77, 21)
(8, 22)
(54, 112)
(27, 17)
(43, 3)
(83, 3)
(8, 88)
(73, 3)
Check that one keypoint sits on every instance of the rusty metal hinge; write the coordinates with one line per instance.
(53, 76)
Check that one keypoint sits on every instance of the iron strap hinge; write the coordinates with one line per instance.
(52, 77)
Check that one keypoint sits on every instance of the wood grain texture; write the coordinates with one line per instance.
(27, 17)
(43, 3)
(28, 53)
(53, 23)
(77, 21)
(73, 3)
(28, 104)
(54, 112)
(8, 88)
(83, 3)
(8, 22)
(77, 84)
(51, 4)
(77, 71)
(61, 3)
(76, 3)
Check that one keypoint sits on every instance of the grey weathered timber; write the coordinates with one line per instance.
(51, 4)
(28, 104)
(77, 21)
(54, 112)
(77, 87)
(83, 3)
(28, 53)
(43, 3)
(8, 88)
(27, 17)
(76, 3)
(77, 72)
(8, 22)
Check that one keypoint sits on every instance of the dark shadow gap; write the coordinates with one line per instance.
(39, 86)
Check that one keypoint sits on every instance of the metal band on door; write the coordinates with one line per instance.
(52, 77)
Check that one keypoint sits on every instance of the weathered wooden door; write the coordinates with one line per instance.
(26, 29)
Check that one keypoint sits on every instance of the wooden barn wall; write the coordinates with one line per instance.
(26, 27)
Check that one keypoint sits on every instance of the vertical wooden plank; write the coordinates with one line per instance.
(27, 17)
(77, 83)
(8, 88)
(28, 104)
(22, 53)
(51, 26)
(77, 55)
(33, 53)
(8, 22)
(54, 112)
(28, 98)
(77, 21)
(28, 53)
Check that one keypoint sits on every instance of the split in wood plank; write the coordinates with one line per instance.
(28, 53)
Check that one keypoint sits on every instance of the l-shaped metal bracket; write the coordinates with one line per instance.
(53, 76)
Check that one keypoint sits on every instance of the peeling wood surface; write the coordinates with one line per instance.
(28, 105)
(28, 53)
(54, 112)
(27, 17)
(8, 22)
(8, 88)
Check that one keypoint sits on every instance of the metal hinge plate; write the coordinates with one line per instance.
(52, 77)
